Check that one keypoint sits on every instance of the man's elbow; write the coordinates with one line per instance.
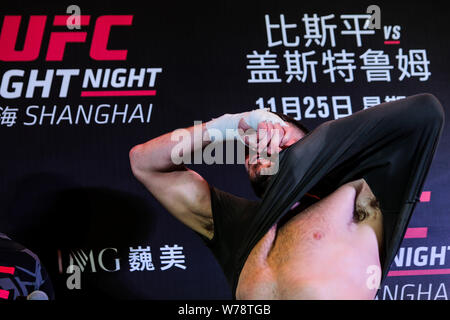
(435, 109)
(137, 160)
(429, 110)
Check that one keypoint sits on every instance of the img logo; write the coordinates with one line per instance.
(75, 262)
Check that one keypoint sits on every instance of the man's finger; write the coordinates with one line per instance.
(275, 141)
(247, 134)
(261, 130)
(262, 136)
(270, 127)
(263, 145)
(244, 125)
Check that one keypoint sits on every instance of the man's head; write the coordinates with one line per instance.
(275, 138)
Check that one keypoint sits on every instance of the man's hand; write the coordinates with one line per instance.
(268, 137)
(256, 117)
(218, 127)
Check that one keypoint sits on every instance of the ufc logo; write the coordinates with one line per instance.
(59, 39)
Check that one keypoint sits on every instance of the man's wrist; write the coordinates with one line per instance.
(224, 127)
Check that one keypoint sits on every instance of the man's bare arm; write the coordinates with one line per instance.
(183, 192)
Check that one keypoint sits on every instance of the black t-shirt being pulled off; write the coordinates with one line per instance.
(390, 145)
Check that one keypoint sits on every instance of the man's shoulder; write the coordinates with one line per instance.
(221, 199)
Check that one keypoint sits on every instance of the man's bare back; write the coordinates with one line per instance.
(296, 260)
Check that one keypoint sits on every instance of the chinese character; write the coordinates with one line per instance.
(376, 64)
(297, 68)
(8, 116)
(345, 62)
(291, 105)
(140, 259)
(283, 26)
(417, 62)
(345, 106)
(263, 67)
(371, 101)
(316, 32)
(172, 256)
(356, 31)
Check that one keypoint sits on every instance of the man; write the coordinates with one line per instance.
(331, 217)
